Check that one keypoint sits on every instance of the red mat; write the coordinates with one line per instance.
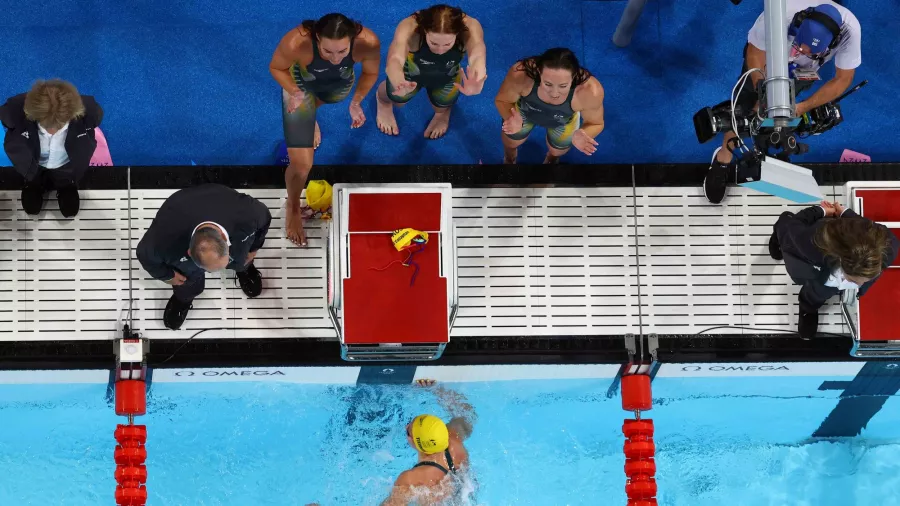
(881, 205)
(385, 212)
(878, 309)
(381, 306)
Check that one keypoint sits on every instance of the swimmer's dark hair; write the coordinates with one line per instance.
(556, 58)
(857, 245)
(440, 18)
(333, 26)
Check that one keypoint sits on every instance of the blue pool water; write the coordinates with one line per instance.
(722, 440)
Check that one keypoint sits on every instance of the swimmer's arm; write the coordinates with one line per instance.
(461, 426)
(475, 47)
(396, 57)
(591, 103)
(400, 493)
(370, 53)
(510, 91)
(457, 405)
(282, 61)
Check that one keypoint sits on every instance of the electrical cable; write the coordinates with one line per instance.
(185, 344)
(832, 334)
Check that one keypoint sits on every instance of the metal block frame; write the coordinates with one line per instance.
(849, 306)
(337, 261)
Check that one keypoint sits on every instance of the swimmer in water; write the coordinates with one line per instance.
(442, 456)
(313, 64)
(554, 92)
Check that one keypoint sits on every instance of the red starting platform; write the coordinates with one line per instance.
(387, 303)
(873, 324)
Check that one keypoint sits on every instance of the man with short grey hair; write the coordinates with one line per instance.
(203, 229)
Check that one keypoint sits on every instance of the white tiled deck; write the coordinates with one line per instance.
(531, 262)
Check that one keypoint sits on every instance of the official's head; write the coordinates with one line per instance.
(856, 245)
(428, 434)
(53, 104)
(209, 248)
(812, 36)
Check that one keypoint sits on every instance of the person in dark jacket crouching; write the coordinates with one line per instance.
(203, 229)
(50, 141)
(827, 249)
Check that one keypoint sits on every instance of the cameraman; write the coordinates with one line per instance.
(818, 31)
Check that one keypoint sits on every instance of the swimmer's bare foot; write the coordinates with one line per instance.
(294, 225)
(385, 118)
(551, 160)
(438, 125)
(425, 382)
(317, 137)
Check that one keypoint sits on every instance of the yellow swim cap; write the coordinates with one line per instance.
(429, 433)
(318, 195)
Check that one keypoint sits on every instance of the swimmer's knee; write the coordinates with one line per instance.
(301, 159)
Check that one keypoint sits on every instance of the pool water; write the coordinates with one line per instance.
(724, 440)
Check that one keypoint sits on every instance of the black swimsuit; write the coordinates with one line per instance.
(435, 464)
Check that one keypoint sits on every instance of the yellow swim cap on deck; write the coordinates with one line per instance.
(318, 195)
(429, 433)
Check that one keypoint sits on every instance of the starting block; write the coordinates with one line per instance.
(874, 326)
(385, 303)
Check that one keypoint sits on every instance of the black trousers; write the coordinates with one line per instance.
(56, 179)
(815, 295)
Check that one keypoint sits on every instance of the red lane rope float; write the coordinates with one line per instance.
(639, 448)
(131, 452)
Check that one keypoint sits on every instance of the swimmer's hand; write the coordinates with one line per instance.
(403, 88)
(512, 124)
(296, 100)
(584, 143)
(357, 116)
(472, 82)
(425, 382)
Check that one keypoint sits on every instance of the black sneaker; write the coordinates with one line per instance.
(69, 202)
(250, 281)
(775, 248)
(715, 184)
(175, 314)
(808, 325)
(32, 198)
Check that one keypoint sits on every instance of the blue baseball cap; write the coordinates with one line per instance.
(816, 35)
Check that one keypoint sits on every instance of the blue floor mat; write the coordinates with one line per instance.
(189, 81)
